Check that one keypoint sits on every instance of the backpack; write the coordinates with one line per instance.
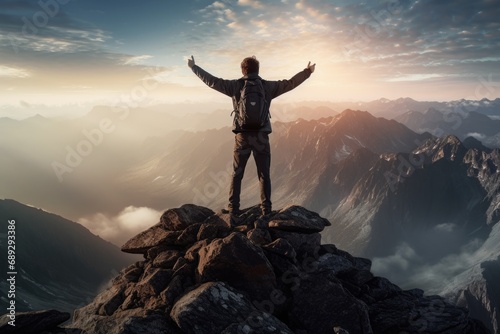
(252, 111)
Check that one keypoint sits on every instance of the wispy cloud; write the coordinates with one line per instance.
(251, 3)
(370, 46)
(414, 77)
(133, 60)
(12, 72)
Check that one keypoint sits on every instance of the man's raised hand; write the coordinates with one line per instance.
(311, 67)
(191, 62)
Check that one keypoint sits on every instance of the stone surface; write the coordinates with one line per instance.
(218, 308)
(240, 263)
(320, 303)
(33, 322)
(150, 238)
(135, 321)
(203, 273)
(179, 219)
(298, 219)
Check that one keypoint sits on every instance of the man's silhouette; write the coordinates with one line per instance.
(254, 141)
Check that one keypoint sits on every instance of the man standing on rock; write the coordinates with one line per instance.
(251, 96)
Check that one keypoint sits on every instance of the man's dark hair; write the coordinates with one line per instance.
(250, 65)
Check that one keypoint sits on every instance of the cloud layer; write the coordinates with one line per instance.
(126, 224)
(363, 50)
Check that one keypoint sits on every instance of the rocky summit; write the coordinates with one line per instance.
(208, 273)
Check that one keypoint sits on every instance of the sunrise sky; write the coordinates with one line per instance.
(57, 52)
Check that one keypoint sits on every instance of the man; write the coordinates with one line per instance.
(254, 140)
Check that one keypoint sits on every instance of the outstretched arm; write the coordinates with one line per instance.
(191, 62)
(283, 86)
(228, 87)
(309, 66)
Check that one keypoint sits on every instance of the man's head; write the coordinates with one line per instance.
(250, 65)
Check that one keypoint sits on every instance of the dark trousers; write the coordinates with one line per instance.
(258, 144)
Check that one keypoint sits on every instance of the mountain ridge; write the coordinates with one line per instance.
(55, 258)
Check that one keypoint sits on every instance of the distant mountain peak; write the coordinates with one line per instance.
(447, 147)
(351, 113)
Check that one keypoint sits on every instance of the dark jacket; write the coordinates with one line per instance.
(232, 89)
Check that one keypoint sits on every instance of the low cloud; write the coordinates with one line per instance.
(120, 228)
(448, 227)
(399, 261)
(477, 135)
(444, 275)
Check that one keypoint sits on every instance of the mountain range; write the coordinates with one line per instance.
(410, 201)
(56, 259)
(424, 208)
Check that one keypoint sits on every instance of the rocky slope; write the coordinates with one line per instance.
(441, 191)
(204, 272)
(56, 259)
(428, 219)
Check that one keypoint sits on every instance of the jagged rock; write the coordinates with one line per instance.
(136, 321)
(298, 219)
(219, 219)
(259, 236)
(167, 258)
(281, 247)
(171, 230)
(155, 282)
(237, 261)
(116, 298)
(154, 236)
(192, 254)
(320, 303)
(304, 244)
(33, 322)
(180, 218)
(188, 235)
(258, 322)
(258, 274)
(130, 274)
(218, 308)
(212, 231)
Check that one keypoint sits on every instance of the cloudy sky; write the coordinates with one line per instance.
(57, 52)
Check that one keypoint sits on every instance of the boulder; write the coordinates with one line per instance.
(320, 303)
(205, 273)
(298, 219)
(216, 307)
(135, 321)
(179, 219)
(240, 263)
(304, 244)
(152, 237)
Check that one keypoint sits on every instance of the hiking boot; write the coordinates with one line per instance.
(231, 211)
(266, 211)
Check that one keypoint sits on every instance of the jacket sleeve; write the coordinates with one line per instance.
(282, 86)
(227, 87)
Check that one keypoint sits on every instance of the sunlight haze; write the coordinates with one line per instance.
(83, 53)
